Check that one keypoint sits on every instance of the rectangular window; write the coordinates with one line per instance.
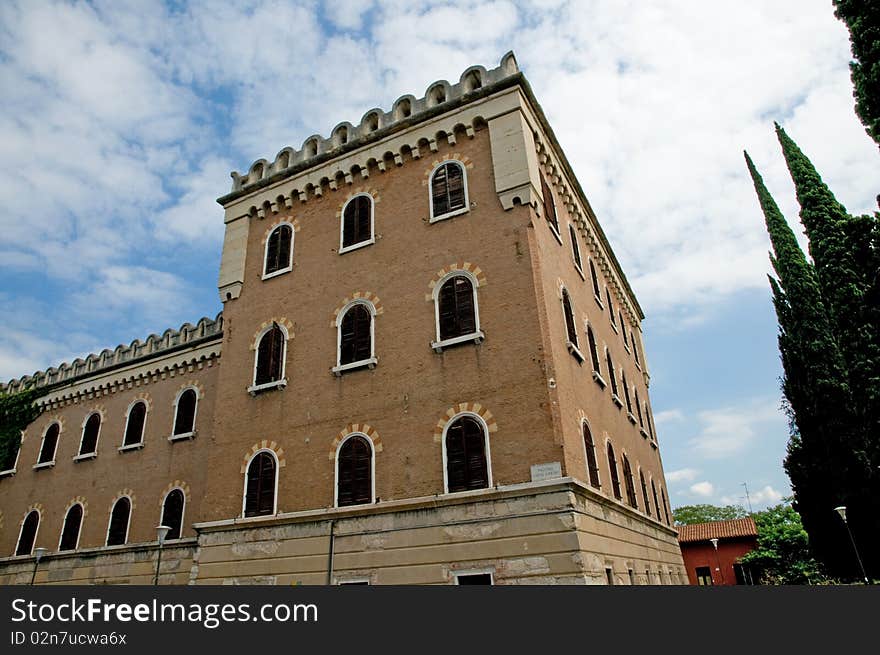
(704, 576)
(609, 575)
(474, 578)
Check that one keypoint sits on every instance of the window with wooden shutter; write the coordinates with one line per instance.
(632, 338)
(90, 435)
(50, 442)
(28, 533)
(645, 493)
(260, 488)
(549, 206)
(592, 464)
(575, 248)
(456, 310)
(611, 372)
(656, 503)
(610, 307)
(278, 249)
(270, 356)
(357, 221)
(629, 406)
(595, 280)
(594, 354)
(630, 483)
(665, 506)
(639, 410)
(172, 513)
(70, 531)
(623, 328)
(447, 189)
(355, 472)
(134, 427)
(615, 476)
(184, 421)
(355, 338)
(117, 534)
(570, 327)
(466, 465)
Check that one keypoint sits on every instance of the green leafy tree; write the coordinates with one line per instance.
(862, 17)
(691, 514)
(783, 554)
(17, 411)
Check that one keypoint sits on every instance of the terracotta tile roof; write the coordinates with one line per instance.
(721, 529)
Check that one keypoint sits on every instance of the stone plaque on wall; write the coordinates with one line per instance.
(546, 471)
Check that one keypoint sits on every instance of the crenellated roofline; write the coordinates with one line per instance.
(188, 336)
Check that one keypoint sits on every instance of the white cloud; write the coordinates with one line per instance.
(703, 488)
(682, 475)
(731, 430)
(668, 416)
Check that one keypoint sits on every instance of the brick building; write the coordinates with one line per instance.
(711, 551)
(428, 369)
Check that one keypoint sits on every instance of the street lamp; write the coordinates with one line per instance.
(714, 541)
(38, 555)
(161, 533)
(842, 511)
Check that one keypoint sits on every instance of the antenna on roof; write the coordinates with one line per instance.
(748, 500)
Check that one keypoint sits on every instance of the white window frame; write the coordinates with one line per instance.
(21, 529)
(244, 489)
(254, 388)
(454, 212)
(11, 472)
(372, 469)
(127, 525)
(182, 511)
(372, 360)
(573, 348)
(289, 267)
(592, 266)
(81, 456)
(586, 423)
(466, 572)
(477, 335)
(487, 452)
(360, 244)
(572, 234)
(64, 525)
(140, 444)
(48, 463)
(192, 433)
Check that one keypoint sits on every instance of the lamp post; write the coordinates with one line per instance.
(714, 541)
(38, 555)
(842, 511)
(161, 533)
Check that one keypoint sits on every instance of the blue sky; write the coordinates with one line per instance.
(121, 121)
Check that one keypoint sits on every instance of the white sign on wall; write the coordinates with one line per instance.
(546, 471)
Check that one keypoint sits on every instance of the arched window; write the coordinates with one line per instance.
(467, 458)
(71, 528)
(645, 493)
(28, 534)
(623, 328)
(549, 206)
(357, 223)
(592, 464)
(632, 338)
(570, 327)
(610, 307)
(630, 483)
(656, 503)
(354, 472)
(665, 505)
(92, 428)
(134, 424)
(456, 310)
(270, 357)
(615, 476)
(49, 445)
(172, 513)
(279, 251)
(629, 406)
(575, 248)
(259, 496)
(117, 531)
(648, 421)
(595, 279)
(448, 190)
(594, 352)
(611, 372)
(639, 410)
(355, 337)
(185, 414)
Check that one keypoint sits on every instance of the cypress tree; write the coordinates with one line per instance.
(862, 17)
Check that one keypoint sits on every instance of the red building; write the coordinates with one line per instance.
(711, 551)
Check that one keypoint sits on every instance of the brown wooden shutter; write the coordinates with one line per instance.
(629, 406)
(355, 472)
(628, 480)
(456, 308)
(172, 513)
(595, 279)
(134, 430)
(118, 531)
(611, 373)
(278, 249)
(570, 326)
(592, 465)
(466, 466)
(270, 354)
(594, 354)
(549, 206)
(355, 343)
(90, 435)
(615, 476)
(455, 184)
(184, 422)
(260, 490)
(28, 533)
(610, 306)
(70, 532)
(50, 441)
(656, 504)
(639, 410)
(645, 493)
(356, 222)
(447, 189)
(575, 248)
